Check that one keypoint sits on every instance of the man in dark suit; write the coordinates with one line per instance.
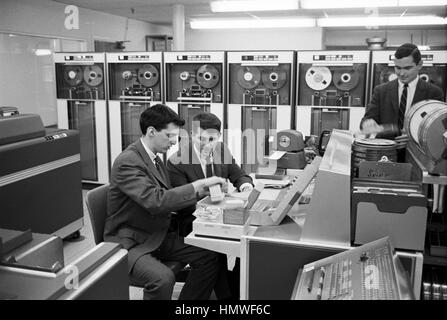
(140, 203)
(204, 156)
(392, 100)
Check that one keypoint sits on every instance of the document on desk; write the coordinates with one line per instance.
(270, 183)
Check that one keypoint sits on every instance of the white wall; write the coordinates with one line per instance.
(27, 81)
(394, 37)
(44, 17)
(254, 39)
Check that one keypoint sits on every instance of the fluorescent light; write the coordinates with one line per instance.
(251, 23)
(381, 21)
(331, 4)
(424, 48)
(252, 5)
(422, 3)
(42, 52)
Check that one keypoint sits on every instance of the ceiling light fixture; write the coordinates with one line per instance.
(342, 4)
(422, 3)
(42, 52)
(346, 4)
(253, 5)
(252, 23)
(381, 21)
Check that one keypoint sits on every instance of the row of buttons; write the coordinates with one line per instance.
(260, 58)
(194, 58)
(334, 58)
(56, 136)
(78, 58)
(133, 58)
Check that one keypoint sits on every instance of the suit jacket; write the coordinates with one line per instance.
(184, 167)
(140, 202)
(384, 105)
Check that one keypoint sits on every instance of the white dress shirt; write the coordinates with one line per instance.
(410, 92)
(203, 165)
(149, 152)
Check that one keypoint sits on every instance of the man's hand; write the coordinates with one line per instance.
(246, 187)
(370, 126)
(401, 141)
(202, 186)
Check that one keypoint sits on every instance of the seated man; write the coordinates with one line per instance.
(204, 156)
(140, 203)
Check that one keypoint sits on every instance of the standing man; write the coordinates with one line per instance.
(140, 203)
(392, 100)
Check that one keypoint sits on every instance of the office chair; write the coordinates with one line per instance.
(96, 201)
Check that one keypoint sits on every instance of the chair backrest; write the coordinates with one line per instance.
(97, 208)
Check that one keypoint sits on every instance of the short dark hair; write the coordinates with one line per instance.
(208, 121)
(159, 116)
(406, 50)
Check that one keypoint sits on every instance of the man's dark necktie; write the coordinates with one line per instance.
(157, 162)
(209, 170)
(402, 106)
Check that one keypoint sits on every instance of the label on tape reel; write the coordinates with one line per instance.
(248, 77)
(207, 76)
(148, 75)
(346, 79)
(93, 75)
(274, 78)
(318, 78)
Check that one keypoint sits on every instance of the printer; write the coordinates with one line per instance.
(40, 177)
(32, 267)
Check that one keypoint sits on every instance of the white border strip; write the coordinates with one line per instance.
(34, 171)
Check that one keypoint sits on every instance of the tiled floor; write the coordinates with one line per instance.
(76, 247)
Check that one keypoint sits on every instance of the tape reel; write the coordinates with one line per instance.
(184, 75)
(148, 75)
(346, 79)
(207, 76)
(416, 116)
(274, 79)
(127, 75)
(318, 78)
(387, 75)
(248, 77)
(73, 76)
(93, 75)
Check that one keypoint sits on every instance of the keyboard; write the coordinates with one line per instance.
(369, 272)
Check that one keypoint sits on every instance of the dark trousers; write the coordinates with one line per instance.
(158, 280)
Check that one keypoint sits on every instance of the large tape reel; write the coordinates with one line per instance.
(416, 116)
(346, 79)
(274, 78)
(93, 75)
(148, 75)
(318, 78)
(248, 77)
(73, 75)
(207, 76)
(426, 124)
(433, 134)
